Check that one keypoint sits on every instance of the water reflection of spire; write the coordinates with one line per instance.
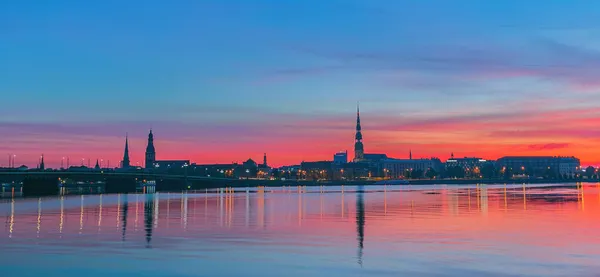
(384, 200)
(185, 210)
(343, 201)
(524, 197)
(155, 204)
(247, 208)
(221, 208)
(582, 197)
(484, 199)
(453, 201)
(148, 216)
(81, 217)
(100, 213)
(118, 210)
(62, 214)
(168, 220)
(39, 218)
(360, 222)
(12, 218)
(299, 207)
(321, 207)
(260, 206)
(135, 224)
(124, 218)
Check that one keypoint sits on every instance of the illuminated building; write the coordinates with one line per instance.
(397, 168)
(340, 157)
(540, 165)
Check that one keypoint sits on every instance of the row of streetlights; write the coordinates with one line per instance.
(63, 161)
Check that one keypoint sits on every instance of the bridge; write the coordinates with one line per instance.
(47, 182)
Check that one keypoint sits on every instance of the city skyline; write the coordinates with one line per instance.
(484, 79)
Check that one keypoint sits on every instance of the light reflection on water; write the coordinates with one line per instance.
(436, 230)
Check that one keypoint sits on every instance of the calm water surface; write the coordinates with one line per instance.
(492, 230)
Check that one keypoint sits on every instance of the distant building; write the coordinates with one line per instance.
(539, 165)
(78, 168)
(355, 171)
(151, 152)
(321, 170)
(467, 163)
(375, 157)
(398, 168)
(216, 170)
(168, 164)
(340, 157)
(264, 164)
(42, 164)
(264, 171)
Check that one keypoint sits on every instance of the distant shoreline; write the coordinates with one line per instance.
(278, 183)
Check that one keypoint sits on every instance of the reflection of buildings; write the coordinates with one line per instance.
(124, 217)
(360, 224)
(317, 213)
(148, 218)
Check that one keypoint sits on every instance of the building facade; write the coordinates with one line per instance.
(340, 157)
(400, 168)
(539, 166)
(321, 170)
(467, 163)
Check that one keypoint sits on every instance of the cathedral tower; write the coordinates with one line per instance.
(150, 152)
(359, 152)
(125, 163)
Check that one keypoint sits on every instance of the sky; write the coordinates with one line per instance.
(227, 80)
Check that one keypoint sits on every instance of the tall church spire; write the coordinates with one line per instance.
(42, 165)
(125, 163)
(150, 151)
(410, 155)
(359, 153)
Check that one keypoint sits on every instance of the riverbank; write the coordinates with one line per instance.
(279, 183)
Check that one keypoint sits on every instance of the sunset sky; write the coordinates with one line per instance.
(227, 80)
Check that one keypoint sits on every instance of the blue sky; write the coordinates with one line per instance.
(267, 75)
